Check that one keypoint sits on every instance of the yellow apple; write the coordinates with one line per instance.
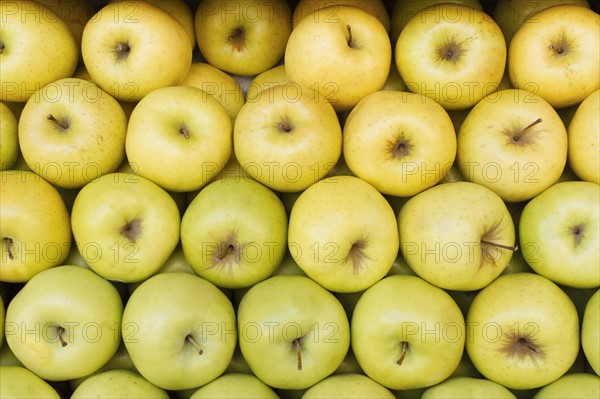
(264, 80)
(584, 139)
(9, 138)
(377, 8)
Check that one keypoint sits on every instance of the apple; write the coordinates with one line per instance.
(589, 332)
(234, 233)
(173, 342)
(2, 314)
(468, 387)
(118, 383)
(322, 45)
(457, 236)
(288, 138)
(298, 339)
(559, 234)
(179, 137)
(37, 48)
(522, 331)
(64, 323)
(76, 123)
(401, 143)
(343, 234)
(404, 10)
(131, 48)
(514, 143)
(575, 385)
(18, 382)
(271, 77)
(235, 386)
(125, 226)
(347, 386)
(583, 132)
(9, 141)
(557, 56)
(377, 8)
(510, 14)
(179, 9)
(244, 37)
(218, 84)
(453, 53)
(402, 341)
(34, 226)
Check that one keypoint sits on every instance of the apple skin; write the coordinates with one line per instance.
(118, 383)
(575, 385)
(35, 226)
(557, 56)
(583, 131)
(264, 80)
(20, 383)
(9, 141)
(64, 323)
(392, 313)
(590, 326)
(347, 386)
(235, 386)
(559, 234)
(468, 387)
(297, 340)
(377, 8)
(522, 331)
(29, 30)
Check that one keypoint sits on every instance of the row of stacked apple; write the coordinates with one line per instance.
(196, 195)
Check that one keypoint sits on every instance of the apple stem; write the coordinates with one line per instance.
(193, 342)
(298, 353)
(532, 124)
(184, 132)
(9, 244)
(59, 332)
(513, 248)
(51, 117)
(349, 29)
(1, 47)
(403, 354)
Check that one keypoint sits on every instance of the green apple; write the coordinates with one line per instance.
(288, 138)
(468, 387)
(590, 326)
(131, 48)
(7, 357)
(575, 385)
(510, 14)
(401, 143)
(402, 341)
(235, 386)
(179, 9)
(179, 137)
(180, 330)
(347, 386)
(64, 323)
(404, 10)
(37, 48)
(20, 383)
(35, 227)
(557, 56)
(454, 54)
(584, 139)
(9, 140)
(271, 77)
(296, 340)
(71, 132)
(125, 226)
(119, 383)
(377, 8)
(2, 314)
(218, 84)
(234, 233)
(522, 331)
(457, 236)
(559, 234)
(323, 44)
(343, 233)
(243, 38)
(514, 143)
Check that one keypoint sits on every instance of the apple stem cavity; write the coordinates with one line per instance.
(193, 342)
(132, 230)
(237, 38)
(403, 353)
(1, 47)
(522, 346)
(59, 333)
(450, 51)
(185, 132)
(401, 148)
(9, 244)
(577, 231)
(520, 134)
(122, 50)
(285, 126)
(298, 349)
(356, 255)
(62, 124)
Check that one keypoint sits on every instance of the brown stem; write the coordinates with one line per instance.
(403, 354)
(9, 244)
(51, 117)
(298, 354)
(193, 342)
(513, 248)
(184, 132)
(532, 124)
(2, 46)
(59, 332)
(349, 35)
